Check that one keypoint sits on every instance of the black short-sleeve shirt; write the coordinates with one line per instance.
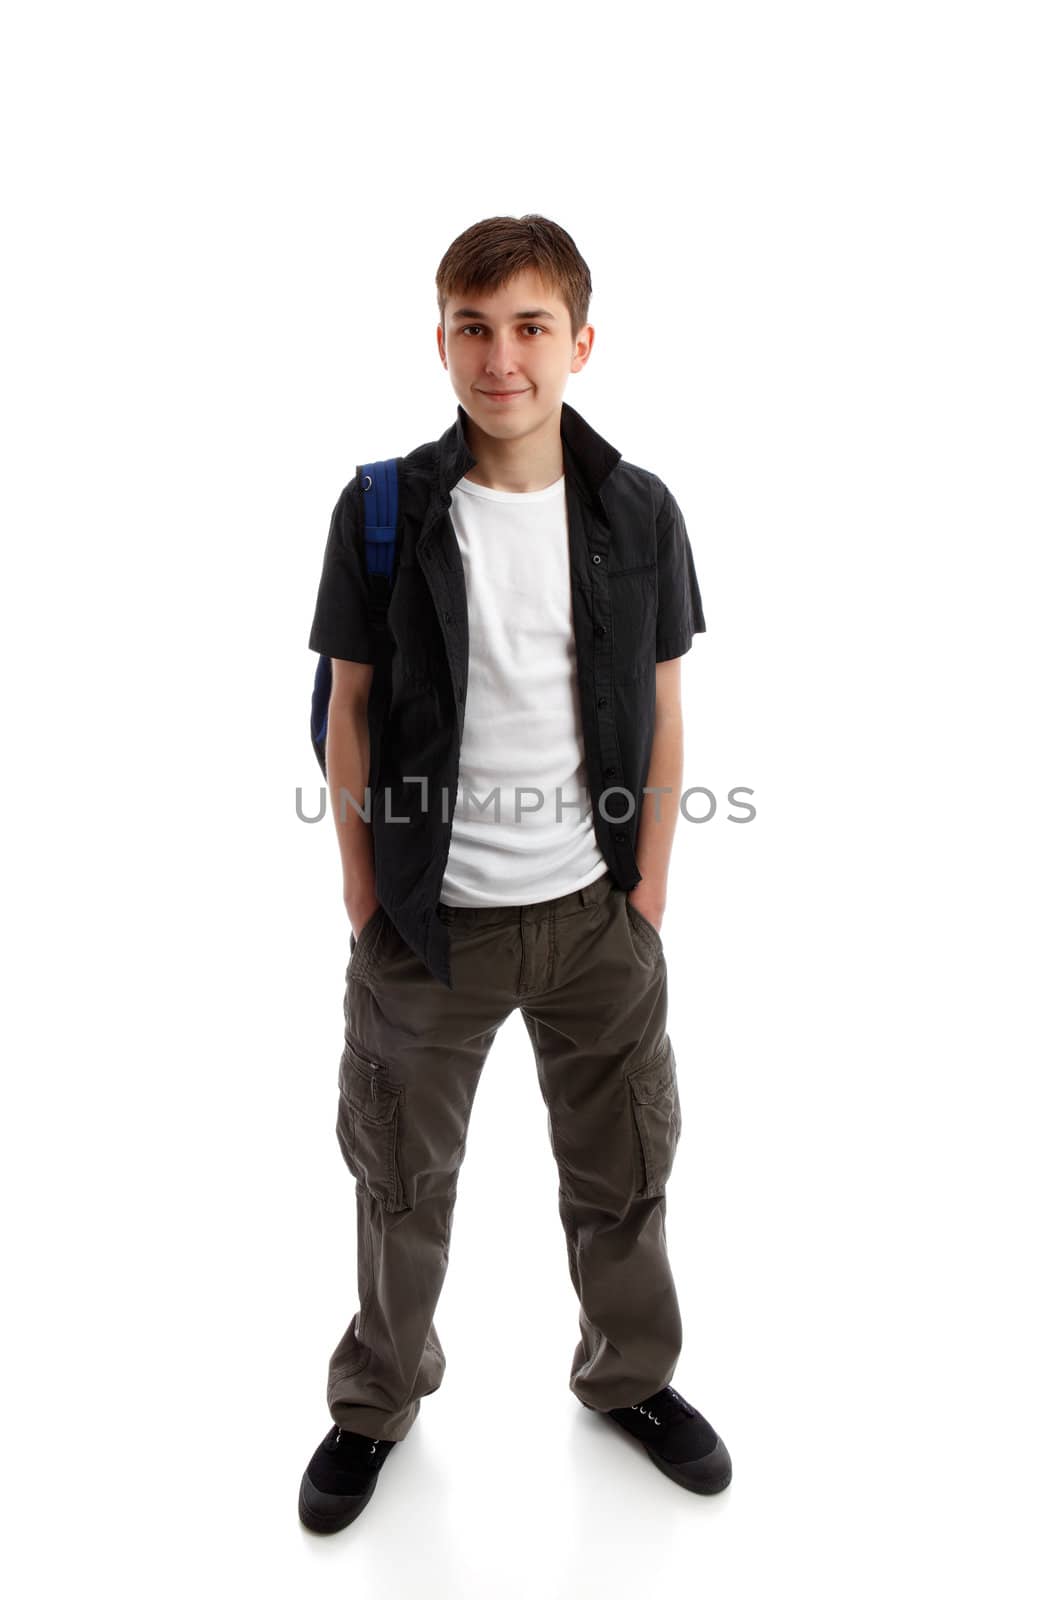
(341, 626)
(680, 606)
(635, 601)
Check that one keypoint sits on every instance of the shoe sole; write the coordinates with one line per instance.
(318, 1519)
(674, 1471)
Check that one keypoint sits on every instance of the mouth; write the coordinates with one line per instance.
(502, 395)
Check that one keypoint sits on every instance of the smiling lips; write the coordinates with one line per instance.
(504, 394)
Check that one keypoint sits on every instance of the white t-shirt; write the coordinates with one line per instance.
(522, 728)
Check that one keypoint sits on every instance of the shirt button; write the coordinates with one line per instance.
(599, 628)
(620, 838)
(596, 560)
(603, 700)
(448, 615)
(610, 772)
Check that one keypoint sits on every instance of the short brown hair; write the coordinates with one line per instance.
(489, 253)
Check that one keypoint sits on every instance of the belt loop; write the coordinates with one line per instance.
(590, 892)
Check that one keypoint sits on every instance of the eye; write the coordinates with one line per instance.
(476, 327)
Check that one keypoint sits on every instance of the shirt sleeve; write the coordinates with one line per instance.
(680, 613)
(341, 625)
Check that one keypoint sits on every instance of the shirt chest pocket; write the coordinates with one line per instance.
(634, 606)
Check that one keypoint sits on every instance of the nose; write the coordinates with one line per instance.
(500, 361)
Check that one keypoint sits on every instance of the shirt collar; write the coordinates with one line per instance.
(593, 456)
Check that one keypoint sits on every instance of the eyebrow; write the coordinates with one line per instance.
(518, 315)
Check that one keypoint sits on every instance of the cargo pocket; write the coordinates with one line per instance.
(368, 1127)
(656, 1106)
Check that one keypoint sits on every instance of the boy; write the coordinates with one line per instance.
(543, 595)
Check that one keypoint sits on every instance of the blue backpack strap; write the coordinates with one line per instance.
(378, 481)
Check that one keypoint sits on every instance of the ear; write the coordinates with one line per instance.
(582, 346)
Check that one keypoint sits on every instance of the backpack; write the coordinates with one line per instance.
(379, 481)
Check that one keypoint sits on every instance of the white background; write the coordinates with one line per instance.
(814, 234)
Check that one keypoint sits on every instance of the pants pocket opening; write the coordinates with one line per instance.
(647, 933)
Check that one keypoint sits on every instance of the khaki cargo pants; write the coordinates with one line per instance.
(589, 973)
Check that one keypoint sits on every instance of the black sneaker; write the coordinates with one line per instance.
(679, 1440)
(340, 1479)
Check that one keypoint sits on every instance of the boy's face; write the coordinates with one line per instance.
(518, 342)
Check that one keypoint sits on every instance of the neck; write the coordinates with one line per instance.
(518, 466)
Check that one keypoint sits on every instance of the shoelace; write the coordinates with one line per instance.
(665, 1407)
(345, 1432)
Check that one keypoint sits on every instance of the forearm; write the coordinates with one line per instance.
(347, 773)
(655, 834)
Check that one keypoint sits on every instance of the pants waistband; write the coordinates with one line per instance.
(467, 916)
